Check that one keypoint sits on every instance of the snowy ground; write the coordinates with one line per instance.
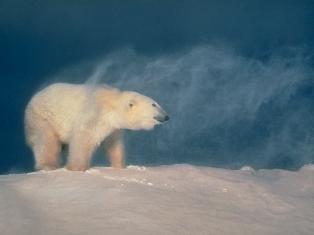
(178, 199)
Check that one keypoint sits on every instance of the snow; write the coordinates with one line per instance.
(176, 199)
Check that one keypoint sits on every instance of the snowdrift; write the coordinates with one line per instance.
(177, 199)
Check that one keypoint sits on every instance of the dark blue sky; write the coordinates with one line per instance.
(40, 38)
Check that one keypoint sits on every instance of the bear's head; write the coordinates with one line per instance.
(140, 112)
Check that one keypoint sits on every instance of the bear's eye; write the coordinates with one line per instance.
(154, 105)
(131, 105)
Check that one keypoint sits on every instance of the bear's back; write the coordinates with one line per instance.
(69, 107)
(62, 104)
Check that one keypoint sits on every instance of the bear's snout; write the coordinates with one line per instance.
(162, 118)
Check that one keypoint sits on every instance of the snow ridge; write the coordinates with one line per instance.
(176, 199)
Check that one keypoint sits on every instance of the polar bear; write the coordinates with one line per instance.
(85, 117)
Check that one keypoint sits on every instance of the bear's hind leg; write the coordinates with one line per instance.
(41, 137)
(80, 152)
(47, 151)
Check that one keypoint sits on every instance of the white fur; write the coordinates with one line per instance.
(83, 117)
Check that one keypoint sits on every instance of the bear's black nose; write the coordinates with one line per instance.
(162, 118)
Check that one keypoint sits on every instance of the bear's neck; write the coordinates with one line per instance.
(111, 120)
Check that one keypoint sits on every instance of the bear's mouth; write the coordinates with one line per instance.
(162, 118)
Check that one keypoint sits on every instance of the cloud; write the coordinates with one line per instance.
(223, 106)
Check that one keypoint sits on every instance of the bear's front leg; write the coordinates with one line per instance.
(80, 152)
(115, 149)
